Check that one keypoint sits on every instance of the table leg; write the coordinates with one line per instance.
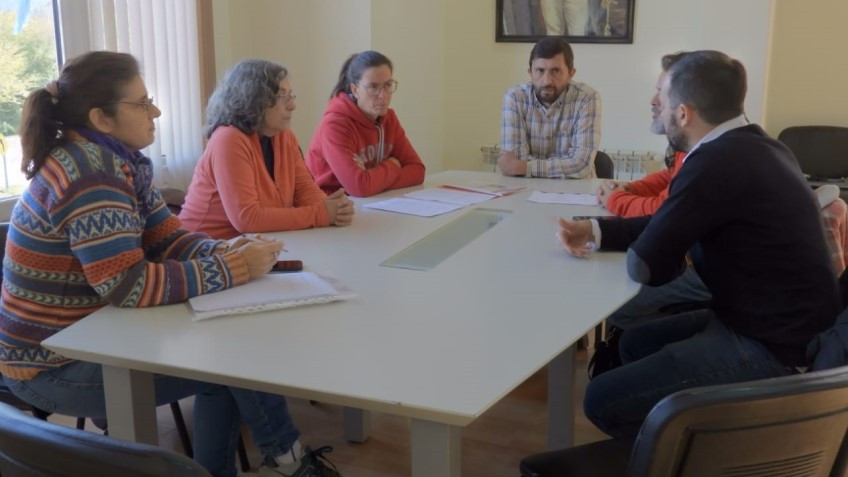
(357, 424)
(435, 449)
(561, 400)
(130, 405)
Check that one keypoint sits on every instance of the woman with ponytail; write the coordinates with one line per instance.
(360, 145)
(91, 230)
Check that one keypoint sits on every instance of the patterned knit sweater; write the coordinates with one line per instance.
(81, 237)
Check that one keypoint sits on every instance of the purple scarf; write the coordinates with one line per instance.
(141, 166)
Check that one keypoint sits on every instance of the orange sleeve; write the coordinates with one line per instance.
(652, 184)
(647, 195)
(626, 204)
(306, 191)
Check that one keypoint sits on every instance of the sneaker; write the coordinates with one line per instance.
(311, 464)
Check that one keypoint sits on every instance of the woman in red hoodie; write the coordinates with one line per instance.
(359, 144)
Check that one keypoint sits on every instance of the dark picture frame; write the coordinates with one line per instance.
(590, 21)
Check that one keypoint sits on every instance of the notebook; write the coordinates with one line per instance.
(273, 291)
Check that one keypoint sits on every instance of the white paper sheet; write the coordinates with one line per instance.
(421, 208)
(497, 190)
(449, 196)
(562, 198)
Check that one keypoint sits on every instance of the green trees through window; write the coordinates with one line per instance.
(27, 61)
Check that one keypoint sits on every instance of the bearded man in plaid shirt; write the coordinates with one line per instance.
(551, 126)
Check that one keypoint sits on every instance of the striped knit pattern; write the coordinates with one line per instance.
(78, 240)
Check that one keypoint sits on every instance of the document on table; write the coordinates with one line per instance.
(449, 196)
(563, 198)
(421, 208)
(269, 292)
(497, 190)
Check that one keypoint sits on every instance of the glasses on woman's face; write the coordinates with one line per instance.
(145, 104)
(388, 87)
(285, 98)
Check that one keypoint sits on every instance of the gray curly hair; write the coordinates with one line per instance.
(243, 94)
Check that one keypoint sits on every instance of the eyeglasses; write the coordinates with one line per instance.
(285, 98)
(146, 104)
(374, 89)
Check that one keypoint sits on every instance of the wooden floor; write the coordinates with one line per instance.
(492, 445)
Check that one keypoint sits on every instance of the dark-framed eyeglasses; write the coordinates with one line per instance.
(145, 104)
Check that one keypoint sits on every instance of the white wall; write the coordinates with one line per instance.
(808, 71)
(310, 38)
(452, 73)
(411, 34)
(313, 38)
(478, 70)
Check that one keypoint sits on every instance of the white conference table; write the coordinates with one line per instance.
(438, 346)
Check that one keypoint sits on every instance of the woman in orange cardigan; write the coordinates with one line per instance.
(251, 177)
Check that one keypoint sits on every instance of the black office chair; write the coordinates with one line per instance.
(8, 397)
(822, 151)
(33, 448)
(791, 426)
(604, 168)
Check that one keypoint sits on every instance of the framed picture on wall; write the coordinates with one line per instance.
(579, 21)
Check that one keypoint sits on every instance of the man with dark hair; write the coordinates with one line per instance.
(743, 211)
(551, 126)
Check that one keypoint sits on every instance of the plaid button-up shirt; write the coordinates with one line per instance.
(559, 141)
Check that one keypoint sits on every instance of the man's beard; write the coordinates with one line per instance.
(657, 126)
(676, 137)
(547, 94)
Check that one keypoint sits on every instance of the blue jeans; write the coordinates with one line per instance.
(649, 301)
(76, 389)
(667, 355)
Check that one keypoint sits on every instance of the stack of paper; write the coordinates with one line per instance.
(270, 292)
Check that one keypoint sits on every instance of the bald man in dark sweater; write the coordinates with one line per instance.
(743, 211)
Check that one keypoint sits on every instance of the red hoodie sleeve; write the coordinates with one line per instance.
(412, 169)
(645, 196)
(652, 184)
(338, 146)
(626, 204)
